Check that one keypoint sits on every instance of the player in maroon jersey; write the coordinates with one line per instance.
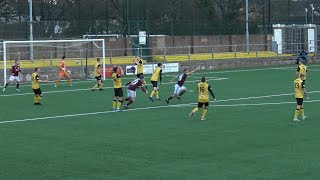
(133, 85)
(179, 89)
(15, 71)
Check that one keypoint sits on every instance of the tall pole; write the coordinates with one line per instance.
(31, 31)
(312, 11)
(306, 15)
(247, 26)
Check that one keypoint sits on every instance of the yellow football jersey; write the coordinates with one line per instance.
(97, 70)
(156, 74)
(117, 82)
(35, 81)
(299, 88)
(140, 66)
(203, 92)
(303, 70)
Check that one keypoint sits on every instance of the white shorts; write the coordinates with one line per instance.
(14, 78)
(131, 93)
(178, 89)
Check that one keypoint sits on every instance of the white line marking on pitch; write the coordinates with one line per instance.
(157, 107)
(88, 89)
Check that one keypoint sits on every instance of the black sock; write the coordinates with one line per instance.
(182, 93)
(18, 85)
(6, 85)
(170, 98)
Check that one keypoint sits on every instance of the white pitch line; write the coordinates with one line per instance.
(88, 89)
(147, 108)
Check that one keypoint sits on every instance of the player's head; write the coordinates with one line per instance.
(302, 76)
(37, 70)
(141, 76)
(115, 69)
(63, 57)
(203, 79)
(17, 62)
(160, 65)
(98, 59)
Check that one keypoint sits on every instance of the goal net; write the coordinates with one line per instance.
(80, 57)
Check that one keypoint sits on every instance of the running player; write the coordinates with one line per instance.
(139, 62)
(15, 71)
(300, 93)
(203, 98)
(118, 92)
(302, 69)
(63, 72)
(179, 89)
(157, 75)
(36, 87)
(133, 85)
(98, 76)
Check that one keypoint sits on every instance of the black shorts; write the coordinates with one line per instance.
(139, 74)
(37, 91)
(299, 101)
(154, 83)
(200, 104)
(98, 78)
(118, 92)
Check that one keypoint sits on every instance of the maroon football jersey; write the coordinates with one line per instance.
(15, 70)
(135, 84)
(182, 79)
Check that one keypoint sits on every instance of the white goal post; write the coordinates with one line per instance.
(13, 46)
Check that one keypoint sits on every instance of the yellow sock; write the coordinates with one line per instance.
(101, 86)
(204, 112)
(296, 113)
(157, 94)
(35, 99)
(114, 105)
(119, 104)
(145, 82)
(95, 86)
(39, 99)
(195, 110)
(152, 93)
(302, 112)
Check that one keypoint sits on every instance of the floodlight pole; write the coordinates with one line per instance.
(312, 12)
(306, 15)
(247, 26)
(31, 31)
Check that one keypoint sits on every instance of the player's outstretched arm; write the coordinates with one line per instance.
(212, 94)
(160, 76)
(196, 69)
(121, 70)
(174, 78)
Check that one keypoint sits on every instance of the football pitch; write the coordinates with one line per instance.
(249, 133)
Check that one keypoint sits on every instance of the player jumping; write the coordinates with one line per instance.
(118, 92)
(15, 71)
(203, 98)
(133, 85)
(300, 93)
(179, 89)
(157, 75)
(98, 76)
(139, 62)
(36, 87)
(63, 72)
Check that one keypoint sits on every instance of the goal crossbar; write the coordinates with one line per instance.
(5, 43)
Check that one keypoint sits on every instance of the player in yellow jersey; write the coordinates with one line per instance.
(36, 87)
(302, 69)
(139, 62)
(98, 76)
(156, 76)
(118, 92)
(300, 93)
(203, 98)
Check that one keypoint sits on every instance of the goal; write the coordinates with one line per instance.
(80, 56)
